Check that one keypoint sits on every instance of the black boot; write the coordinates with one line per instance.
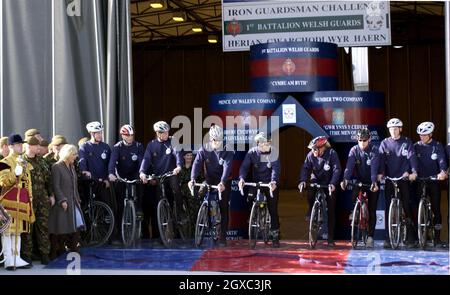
(275, 238)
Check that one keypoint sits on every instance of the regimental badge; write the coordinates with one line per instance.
(288, 67)
(234, 28)
(434, 156)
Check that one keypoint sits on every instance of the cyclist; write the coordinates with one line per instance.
(266, 168)
(363, 162)
(397, 159)
(323, 166)
(431, 161)
(161, 157)
(217, 161)
(126, 159)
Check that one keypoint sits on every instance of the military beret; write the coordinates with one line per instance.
(15, 138)
(31, 132)
(58, 140)
(33, 141)
(43, 143)
(3, 140)
(82, 140)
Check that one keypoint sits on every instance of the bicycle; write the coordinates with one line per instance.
(360, 217)
(425, 216)
(316, 221)
(259, 222)
(99, 219)
(165, 214)
(208, 217)
(131, 222)
(397, 224)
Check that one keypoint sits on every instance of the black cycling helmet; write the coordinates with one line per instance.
(363, 134)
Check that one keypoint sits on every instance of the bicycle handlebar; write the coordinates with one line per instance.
(209, 186)
(396, 178)
(257, 185)
(432, 178)
(120, 179)
(316, 185)
(159, 177)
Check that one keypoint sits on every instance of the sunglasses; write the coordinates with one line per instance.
(362, 140)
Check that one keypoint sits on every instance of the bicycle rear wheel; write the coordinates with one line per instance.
(99, 220)
(422, 224)
(253, 226)
(183, 223)
(394, 223)
(165, 222)
(355, 235)
(128, 223)
(314, 224)
(202, 224)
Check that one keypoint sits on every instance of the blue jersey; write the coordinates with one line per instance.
(397, 156)
(265, 168)
(217, 165)
(431, 158)
(160, 157)
(363, 164)
(94, 157)
(126, 159)
(324, 170)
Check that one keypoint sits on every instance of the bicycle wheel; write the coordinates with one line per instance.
(394, 223)
(99, 220)
(253, 226)
(422, 224)
(128, 223)
(364, 222)
(183, 223)
(265, 224)
(165, 222)
(355, 235)
(314, 224)
(202, 224)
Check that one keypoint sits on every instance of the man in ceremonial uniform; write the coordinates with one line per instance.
(16, 198)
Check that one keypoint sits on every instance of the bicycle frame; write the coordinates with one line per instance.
(397, 229)
(360, 216)
(260, 218)
(205, 223)
(317, 218)
(425, 216)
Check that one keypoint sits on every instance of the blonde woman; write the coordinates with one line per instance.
(65, 219)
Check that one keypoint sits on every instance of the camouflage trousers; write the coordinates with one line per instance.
(38, 236)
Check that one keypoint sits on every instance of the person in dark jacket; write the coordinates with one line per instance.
(66, 219)
(322, 166)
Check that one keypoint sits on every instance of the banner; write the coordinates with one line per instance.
(293, 67)
(346, 23)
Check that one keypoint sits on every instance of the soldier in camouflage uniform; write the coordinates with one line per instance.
(193, 202)
(42, 198)
(58, 141)
(43, 148)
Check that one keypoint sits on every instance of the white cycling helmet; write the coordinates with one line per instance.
(261, 137)
(161, 126)
(394, 122)
(216, 133)
(425, 128)
(127, 130)
(94, 126)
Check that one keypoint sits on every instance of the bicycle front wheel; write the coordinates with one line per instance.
(202, 224)
(355, 235)
(422, 224)
(253, 226)
(99, 224)
(165, 223)
(314, 224)
(128, 223)
(394, 223)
